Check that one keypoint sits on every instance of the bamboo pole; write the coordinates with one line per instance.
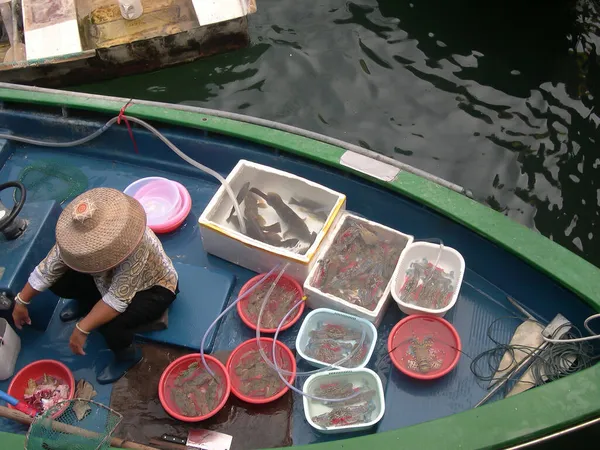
(23, 418)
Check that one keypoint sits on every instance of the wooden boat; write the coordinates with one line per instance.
(502, 258)
(64, 42)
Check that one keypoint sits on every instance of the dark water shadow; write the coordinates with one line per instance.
(136, 397)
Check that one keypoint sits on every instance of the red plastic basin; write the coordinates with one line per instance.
(287, 283)
(285, 360)
(424, 347)
(174, 369)
(36, 370)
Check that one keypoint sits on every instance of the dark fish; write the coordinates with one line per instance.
(311, 207)
(296, 225)
(254, 228)
(240, 198)
(273, 228)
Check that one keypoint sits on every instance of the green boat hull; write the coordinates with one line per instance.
(531, 415)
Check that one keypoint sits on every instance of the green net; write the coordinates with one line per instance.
(52, 180)
(73, 425)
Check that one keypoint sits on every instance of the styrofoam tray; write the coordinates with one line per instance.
(449, 260)
(358, 377)
(329, 316)
(10, 346)
(319, 299)
(224, 240)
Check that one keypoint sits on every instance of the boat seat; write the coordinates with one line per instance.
(203, 294)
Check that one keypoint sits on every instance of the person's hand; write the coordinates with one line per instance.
(21, 316)
(77, 342)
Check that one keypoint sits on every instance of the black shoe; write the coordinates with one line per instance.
(71, 312)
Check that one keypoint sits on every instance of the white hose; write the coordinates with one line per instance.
(225, 311)
(159, 135)
(581, 339)
(294, 388)
(264, 355)
(75, 143)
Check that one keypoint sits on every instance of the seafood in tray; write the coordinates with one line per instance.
(282, 299)
(334, 338)
(332, 343)
(196, 392)
(252, 379)
(284, 219)
(424, 347)
(359, 263)
(428, 279)
(349, 404)
(297, 236)
(256, 378)
(45, 392)
(344, 401)
(427, 286)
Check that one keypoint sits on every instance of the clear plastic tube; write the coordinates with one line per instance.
(294, 388)
(75, 143)
(159, 135)
(264, 355)
(586, 324)
(334, 365)
(225, 311)
(196, 164)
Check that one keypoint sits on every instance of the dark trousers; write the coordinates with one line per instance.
(145, 307)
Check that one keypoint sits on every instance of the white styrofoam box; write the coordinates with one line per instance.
(50, 28)
(222, 239)
(319, 299)
(329, 316)
(10, 346)
(214, 11)
(449, 260)
(358, 378)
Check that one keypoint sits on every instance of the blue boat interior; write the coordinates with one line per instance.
(208, 283)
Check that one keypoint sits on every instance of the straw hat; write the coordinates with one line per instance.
(99, 230)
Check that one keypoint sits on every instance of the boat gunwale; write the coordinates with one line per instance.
(514, 420)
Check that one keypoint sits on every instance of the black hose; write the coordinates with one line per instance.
(6, 221)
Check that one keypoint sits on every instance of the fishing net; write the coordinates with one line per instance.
(52, 180)
(359, 264)
(60, 429)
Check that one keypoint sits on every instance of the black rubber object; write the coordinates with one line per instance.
(6, 221)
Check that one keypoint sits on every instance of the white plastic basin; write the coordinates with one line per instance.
(450, 261)
(323, 316)
(10, 346)
(360, 378)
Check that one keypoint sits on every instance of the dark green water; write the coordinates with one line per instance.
(499, 97)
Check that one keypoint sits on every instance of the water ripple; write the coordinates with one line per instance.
(504, 103)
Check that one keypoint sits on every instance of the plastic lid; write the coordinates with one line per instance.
(424, 347)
